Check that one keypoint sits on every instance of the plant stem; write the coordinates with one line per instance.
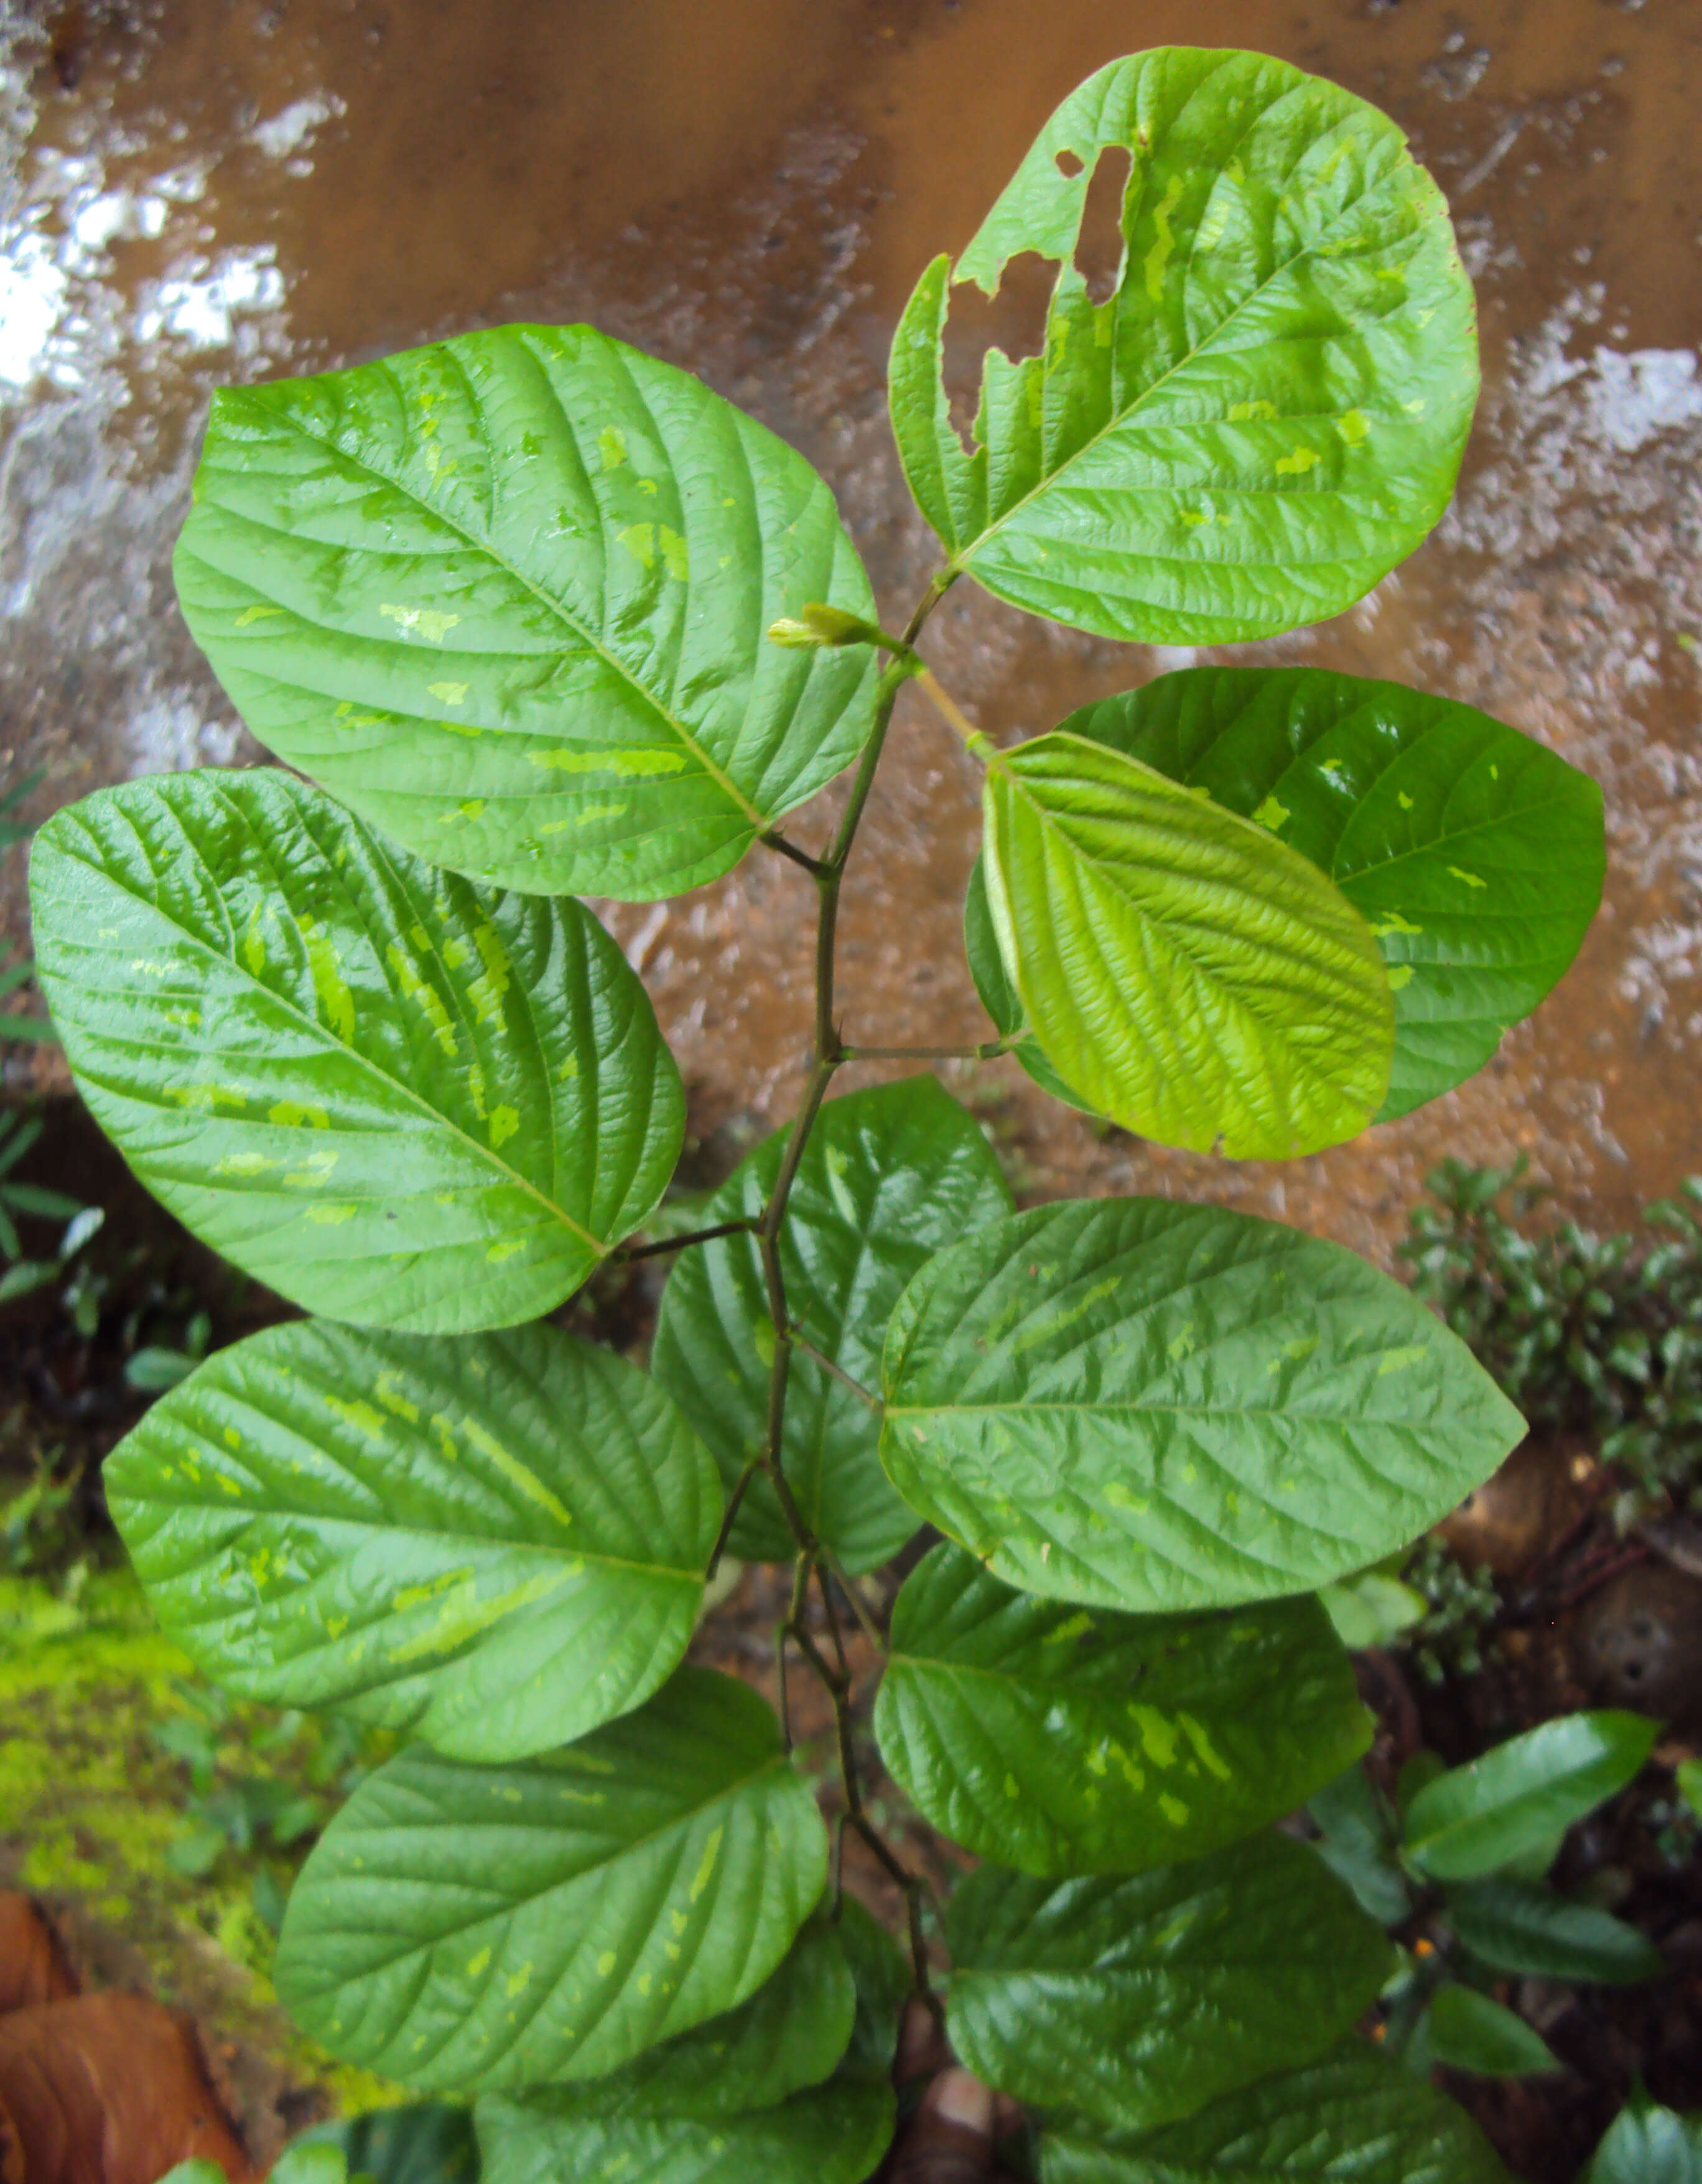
(837, 1372)
(741, 1486)
(989, 1051)
(828, 1054)
(627, 1253)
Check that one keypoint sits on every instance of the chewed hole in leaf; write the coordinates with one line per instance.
(1013, 321)
(1100, 247)
(1067, 163)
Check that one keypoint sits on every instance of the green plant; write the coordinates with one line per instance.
(548, 618)
(1648, 2144)
(1458, 1865)
(1596, 1336)
(14, 975)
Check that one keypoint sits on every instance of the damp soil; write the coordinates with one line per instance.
(219, 190)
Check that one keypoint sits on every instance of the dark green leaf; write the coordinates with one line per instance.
(1183, 971)
(508, 596)
(424, 2142)
(397, 1098)
(1475, 1819)
(1648, 2145)
(888, 1177)
(1137, 2001)
(497, 1542)
(1474, 853)
(1468, 2031)
(830, 2134)
(1354, 2117)
(1356, 1841)
(1062, 1740)
(1157, 1407)
(1687, 1780)
(463, 1929)
(46, 1205)
(1514, 1926)
(1267, 414)
(882, 1974)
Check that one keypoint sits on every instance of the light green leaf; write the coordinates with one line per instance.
(1355, 2118)
(1474, 855)
(1137, 2001)
(498, 1543)
(1268, 412)
(1062, 1740)
(1184, 972)
(1474, 1819)
(1356, 1841)
(311, 2162)
(397, 1098)
(1646, 2144)
(1687, 1780)
(1158, 1407)
(421, 2142)
(830, 2134)
(888, 1177)
(1515, 1926)
(507, 596)
(790, 2034)
(1468, 2031)
(1372, 1608)
(465, 1929)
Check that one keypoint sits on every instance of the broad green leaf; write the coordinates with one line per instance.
(830, 2134)
(1514, 1926)
(791, 2033)
(1475, 854)
(882, 1974)
(311, 2162)
(1158, 1407)
(1646, 2144)
(1372, 1609)
(496, 1543)
(1137, 2001)
(507, 597)
(1268, 412)
(888, 1177)
(1183, 971)
(1468, 2031)
(464, 1928)
(1687, 1780)
(1475, 1819)
(1062, 1740)
(397, 1098)
(423, 2142)
(1356, 1841)
(1354, 2117)
(999, 995)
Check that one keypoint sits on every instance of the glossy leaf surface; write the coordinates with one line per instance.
(507, 596)
(422, 2142)
(1646, 2144)
(1474, 1819)
(1268, 412)
(1354, 2117)
(1158, 1407)
(834, 2133)
(889, 1176)
(1468, 2031)
(1184, 972)
(498, 1543)
(1514, 1926)
(1474, 853)
(1356, 1841)
(1137, 2001)
(1061, 1740)
(467, 1929)
(395, 1097)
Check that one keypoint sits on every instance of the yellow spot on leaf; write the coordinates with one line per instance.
(420, 621)
(1400, 974)
(1470, 878)
(706, 1865)
(611, 443)
(634, 761)
(640, 541)
(1159, 256)
(452, 694)
(1296, 462)
(1353, 426)
(1271, 814)
(476, 1964)
(250, 615)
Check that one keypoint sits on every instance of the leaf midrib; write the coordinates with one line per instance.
(962, 559)
(328, 1041)
(363, 463)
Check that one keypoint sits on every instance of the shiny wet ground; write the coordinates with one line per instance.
(218, 189)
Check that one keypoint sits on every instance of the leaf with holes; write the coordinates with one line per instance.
(888, 1177)
(1475, 854)
(507, 597)
(1355, 2116)
(396, 1098)
(1159, 1407)
(1265, 416)
(469, 1929)
(498, 1543)
(1137, 2001)
(1062, 1740)
(1183, 972)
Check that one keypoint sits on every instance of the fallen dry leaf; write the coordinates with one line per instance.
(107, 2089)
(32, 1965)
